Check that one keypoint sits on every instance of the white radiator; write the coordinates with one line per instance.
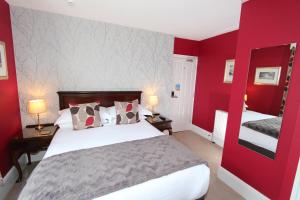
(220, 127)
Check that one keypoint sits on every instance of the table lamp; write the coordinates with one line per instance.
(245, 97)
(153, 101)
(37, 107)
(245, 100)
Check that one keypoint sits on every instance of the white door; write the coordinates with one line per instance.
(183, 89)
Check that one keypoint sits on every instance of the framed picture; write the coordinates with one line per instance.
(267, 75)
(3, 62)
(229, 69)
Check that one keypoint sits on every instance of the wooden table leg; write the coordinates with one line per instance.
(16, 163)
(29, 158)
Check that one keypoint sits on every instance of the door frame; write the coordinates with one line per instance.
(195, 59)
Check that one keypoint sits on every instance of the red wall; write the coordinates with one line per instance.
(186, 47)
(267, 57)
(265, 23)
(210, 91)
(10, 122)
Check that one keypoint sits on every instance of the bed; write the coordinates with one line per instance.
(256, 140)
(250, 138)
(189, 183)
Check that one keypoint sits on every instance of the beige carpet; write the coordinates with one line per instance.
(202, 147)
(212, 153)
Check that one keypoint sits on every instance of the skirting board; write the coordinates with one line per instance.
(200, 131)
(239, 186)
(206, 134)
(11, 177)
(218, 141)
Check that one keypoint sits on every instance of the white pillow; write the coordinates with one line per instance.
(245, 107)
(65, 118)
(144, 111)
(112, 112)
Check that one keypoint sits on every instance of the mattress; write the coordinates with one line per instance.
(190, 183)
(255, 137)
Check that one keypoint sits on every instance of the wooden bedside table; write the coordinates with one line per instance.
(160, 124)
(31, 141)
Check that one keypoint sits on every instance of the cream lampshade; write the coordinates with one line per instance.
(245, 97)
(153, 101)
(37, 107)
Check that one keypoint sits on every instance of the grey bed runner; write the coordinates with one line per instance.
(270, 127)
(94, 172)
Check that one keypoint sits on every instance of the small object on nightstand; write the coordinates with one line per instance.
(161, 123)
(162, 118)
(31, 141)
(155, 115)
(42, 132)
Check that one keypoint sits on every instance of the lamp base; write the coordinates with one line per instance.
(39, 127)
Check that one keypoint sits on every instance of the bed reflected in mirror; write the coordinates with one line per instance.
(265, 98)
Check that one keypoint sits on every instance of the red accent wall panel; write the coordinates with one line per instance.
(186, 47)
(267, 57)
(265, 23)
(211, 93)
(10, 121)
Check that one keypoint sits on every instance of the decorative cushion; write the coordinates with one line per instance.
(85, 115)
(65, 117)
(127, 112)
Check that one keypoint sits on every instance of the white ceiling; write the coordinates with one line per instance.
(192, 19)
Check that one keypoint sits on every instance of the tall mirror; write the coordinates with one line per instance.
(265, 98)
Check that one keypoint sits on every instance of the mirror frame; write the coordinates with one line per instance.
(260, 150)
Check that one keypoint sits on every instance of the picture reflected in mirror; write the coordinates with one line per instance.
(268, 82)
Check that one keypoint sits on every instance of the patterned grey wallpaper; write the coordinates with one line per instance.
(55, 52)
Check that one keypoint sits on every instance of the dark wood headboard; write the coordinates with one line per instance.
(106, 98)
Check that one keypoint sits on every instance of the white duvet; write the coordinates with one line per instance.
(190, 183)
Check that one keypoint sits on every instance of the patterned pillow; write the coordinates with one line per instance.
(85, 115)
(127, 112)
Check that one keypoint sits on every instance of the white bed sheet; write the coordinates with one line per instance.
(190, 183)
(250, 115)
(256, 137)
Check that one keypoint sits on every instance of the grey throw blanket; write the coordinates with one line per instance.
(269, 127)
(94, 172)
